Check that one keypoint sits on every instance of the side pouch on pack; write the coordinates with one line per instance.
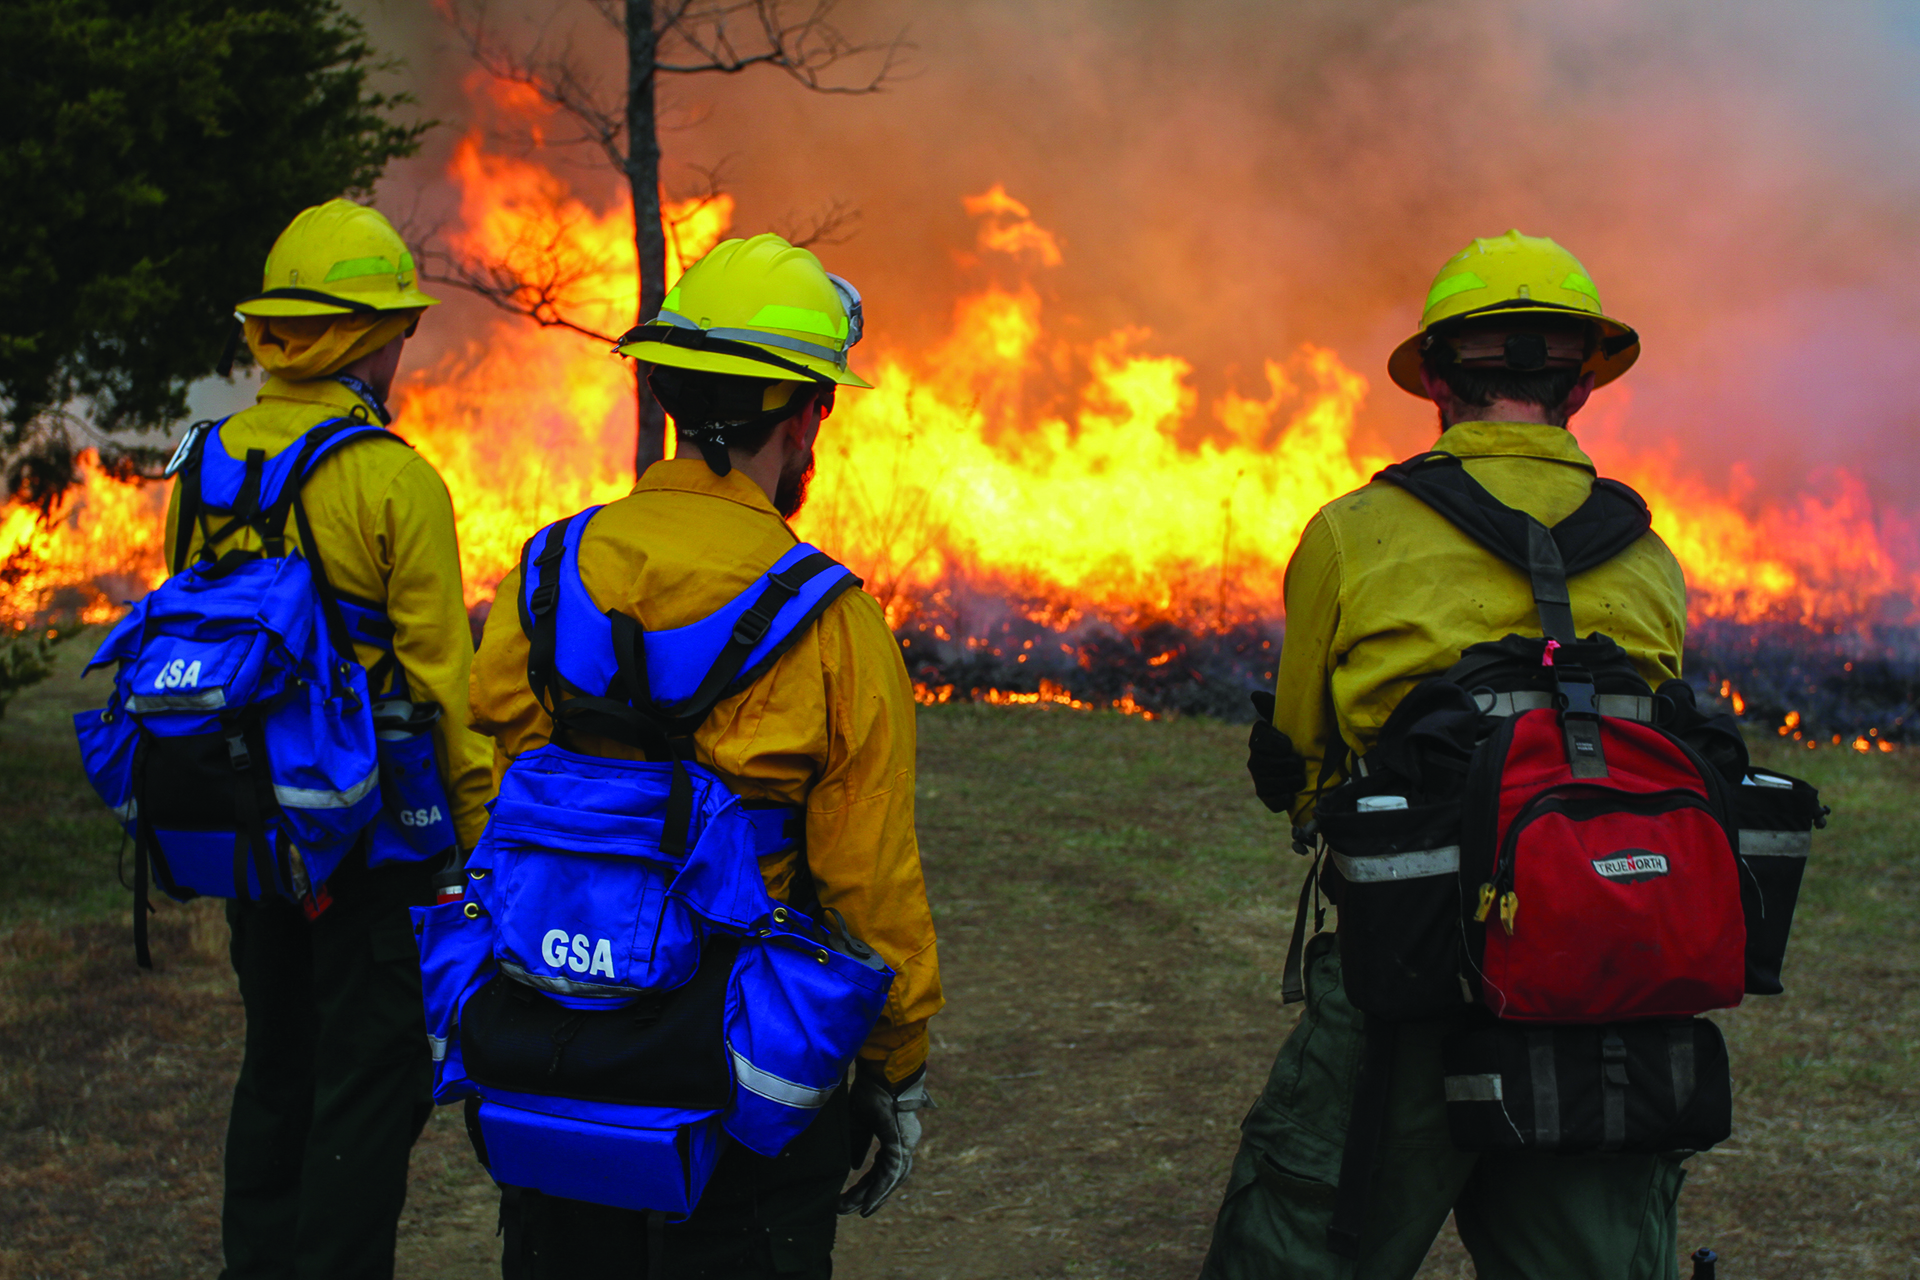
(1400, 909)
(456, 957)
(416, 821)
(797, 1012)
(1638, 1086)
(108, 738)
(1775, 815)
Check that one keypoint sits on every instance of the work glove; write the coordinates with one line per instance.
(1279, 773)
(886, 1113)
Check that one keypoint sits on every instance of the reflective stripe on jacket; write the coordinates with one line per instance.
(1383, 592)
(830, 727)
(385, 524)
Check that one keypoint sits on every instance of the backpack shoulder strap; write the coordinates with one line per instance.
(1612, 518)
(185, 464)
(765, 621)
(318, 442)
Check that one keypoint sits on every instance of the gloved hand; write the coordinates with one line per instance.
(1279, 773)
(887, 1113)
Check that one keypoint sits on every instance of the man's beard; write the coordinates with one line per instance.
(791, 493)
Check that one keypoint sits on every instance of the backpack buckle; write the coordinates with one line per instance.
(541, 601)
(752, 625)
(237, 754)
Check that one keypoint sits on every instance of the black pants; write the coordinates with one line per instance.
(758, 1218)
(336, 1083)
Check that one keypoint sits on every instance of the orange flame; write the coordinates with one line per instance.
(1123, 497)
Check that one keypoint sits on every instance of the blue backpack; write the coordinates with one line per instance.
(241, 748)
(618, 988)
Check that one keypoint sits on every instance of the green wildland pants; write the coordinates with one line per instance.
(1522, 1215)
(336, 1083)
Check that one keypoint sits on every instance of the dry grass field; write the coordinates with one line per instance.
(1112, 907)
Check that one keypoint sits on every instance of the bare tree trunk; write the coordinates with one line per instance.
(649, 239)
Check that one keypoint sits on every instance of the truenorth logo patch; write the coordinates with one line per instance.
(1631, 866)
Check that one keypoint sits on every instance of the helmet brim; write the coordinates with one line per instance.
(405, 300)
(1403, 366)
(660, 353)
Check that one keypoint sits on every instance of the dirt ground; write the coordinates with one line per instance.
(1112, 908)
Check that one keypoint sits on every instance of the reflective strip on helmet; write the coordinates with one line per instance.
(205, 700)
(1415, 864)
(1444, 289)
(775, 1089)
(838, 359)
(316, 798)
(1775, 844)
(1577, 283)
(805, 319)
(354, 268)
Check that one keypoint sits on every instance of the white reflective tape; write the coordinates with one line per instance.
(128, 811)
(205, 700)
(1776, 844)
(1412, 865)
(437, 1045)
(775, 1089)
(314, 798)
(1485, 1088)
(566, 986)
(1621, 706)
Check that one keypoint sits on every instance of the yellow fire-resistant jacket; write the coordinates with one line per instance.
(384, 522)
(1384, 592)
(830, 726)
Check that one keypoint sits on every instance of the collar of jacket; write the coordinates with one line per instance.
(321, 391)
(693, 475)
(1513, 440)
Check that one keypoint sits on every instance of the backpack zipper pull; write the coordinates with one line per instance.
(1509, 907)
(1486, 904)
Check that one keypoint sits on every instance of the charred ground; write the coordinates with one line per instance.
(1112, 907)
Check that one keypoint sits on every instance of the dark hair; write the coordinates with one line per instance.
(724, 408)
(1548, 388)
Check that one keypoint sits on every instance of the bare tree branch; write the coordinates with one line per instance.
(558, 79)
(830, 224)
(538, 277)
(804, 46)
(541, 277)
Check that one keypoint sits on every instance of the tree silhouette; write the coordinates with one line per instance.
(622, 123)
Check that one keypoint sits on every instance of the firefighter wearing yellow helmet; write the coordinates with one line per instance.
(334, 1084)
(1347, 1163)
(746, 354)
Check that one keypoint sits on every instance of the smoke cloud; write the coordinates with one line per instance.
(1240, 177)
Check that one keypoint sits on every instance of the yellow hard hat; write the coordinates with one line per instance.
(758, 308)
(1515, 275)
(336, 258)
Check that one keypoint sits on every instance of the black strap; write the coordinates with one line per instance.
(1366, 1124)
(1612, 518)
(1293, 987)
(309, 295)
(250, 826)
(539, 618)
(1292, 980)
(144, 845)
(672, 335)
(323, 587)
(191, 512)
(751, 628)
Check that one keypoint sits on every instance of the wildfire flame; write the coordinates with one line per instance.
(1071, 479)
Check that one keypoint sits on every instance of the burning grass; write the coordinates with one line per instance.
(1113, 908)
